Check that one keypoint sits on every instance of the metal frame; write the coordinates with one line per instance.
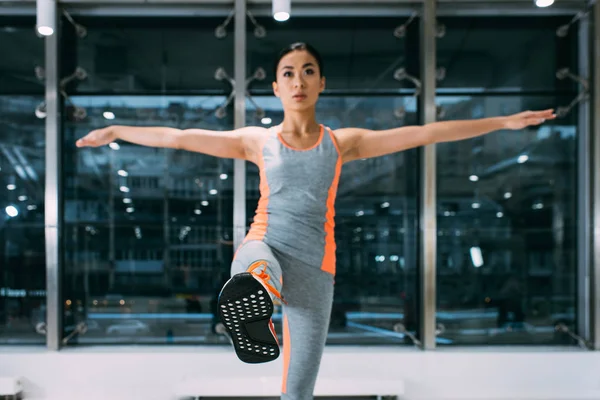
(583, 191)
(428, 229)
(314, 8)
(594, 303)
(239, 166)
(53, 196)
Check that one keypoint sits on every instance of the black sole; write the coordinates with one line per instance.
(245, 309)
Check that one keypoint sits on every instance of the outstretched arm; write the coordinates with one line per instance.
(356, 143)
(224, 144)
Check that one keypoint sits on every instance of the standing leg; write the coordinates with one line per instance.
(308, 293)
(245, 303)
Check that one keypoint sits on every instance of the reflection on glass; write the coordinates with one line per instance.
(376, 222)
(506, 269)
(22, 238)
(148, 231)
(359, 54)
(471, 57)
(22, 65)
(152, 55)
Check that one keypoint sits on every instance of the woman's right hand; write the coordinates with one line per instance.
(98, 137)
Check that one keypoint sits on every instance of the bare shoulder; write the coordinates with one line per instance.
(252, 135)
(346, 133)
(252, 130)
(253, 138)
(346, 139)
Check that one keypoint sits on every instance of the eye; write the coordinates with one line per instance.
(287, 74)
(310, 71)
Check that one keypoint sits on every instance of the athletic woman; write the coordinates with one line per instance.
(289, 252)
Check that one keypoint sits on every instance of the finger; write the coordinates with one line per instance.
(85, 141)
(540, 113)
(535, 120)
(537, 114)
(546, 113)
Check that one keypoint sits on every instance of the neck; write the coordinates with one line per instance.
(300, 122)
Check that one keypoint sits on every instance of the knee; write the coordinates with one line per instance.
(237, 267)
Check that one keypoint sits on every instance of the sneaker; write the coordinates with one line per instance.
(245, 309)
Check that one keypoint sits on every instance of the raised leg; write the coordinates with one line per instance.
(246, 303)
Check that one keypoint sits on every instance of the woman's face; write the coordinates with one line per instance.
(298, 82)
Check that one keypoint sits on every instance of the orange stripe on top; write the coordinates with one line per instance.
(329, 260)
(286, 353)
(258, 228)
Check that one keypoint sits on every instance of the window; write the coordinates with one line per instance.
(376, 205)
(144, 265)
(470, 59)
(151, 55)
(359, 54)
(22, 157)
(506, 270)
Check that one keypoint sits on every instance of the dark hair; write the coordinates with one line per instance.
(296, 47)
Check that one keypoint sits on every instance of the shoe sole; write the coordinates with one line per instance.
(245, 309)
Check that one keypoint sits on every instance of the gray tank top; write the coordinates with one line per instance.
(295, 213)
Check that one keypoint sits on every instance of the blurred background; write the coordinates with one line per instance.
(147, 235)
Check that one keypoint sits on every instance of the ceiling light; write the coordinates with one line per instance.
(544, 3)
(11, 211)
(281, 10)
(46, 17)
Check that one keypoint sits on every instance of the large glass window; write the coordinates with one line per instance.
(148, 231)
(506, 262)
(22, 182)
(376, 205)
(471, 57)
(150, 55)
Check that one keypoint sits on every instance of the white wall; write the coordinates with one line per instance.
(151, 373)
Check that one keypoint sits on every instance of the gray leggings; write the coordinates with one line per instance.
(308, 292)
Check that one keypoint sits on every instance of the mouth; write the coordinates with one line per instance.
(299, 97)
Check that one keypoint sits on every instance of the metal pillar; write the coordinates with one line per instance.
(595, 131)
(428, 231)
(584, 171)
(53, 196)
(239, 166)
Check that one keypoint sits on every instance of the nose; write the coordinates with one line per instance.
(298, 82)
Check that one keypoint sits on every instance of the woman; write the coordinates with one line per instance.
(289, 252)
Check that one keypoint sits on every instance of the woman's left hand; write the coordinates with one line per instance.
(528, 118)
